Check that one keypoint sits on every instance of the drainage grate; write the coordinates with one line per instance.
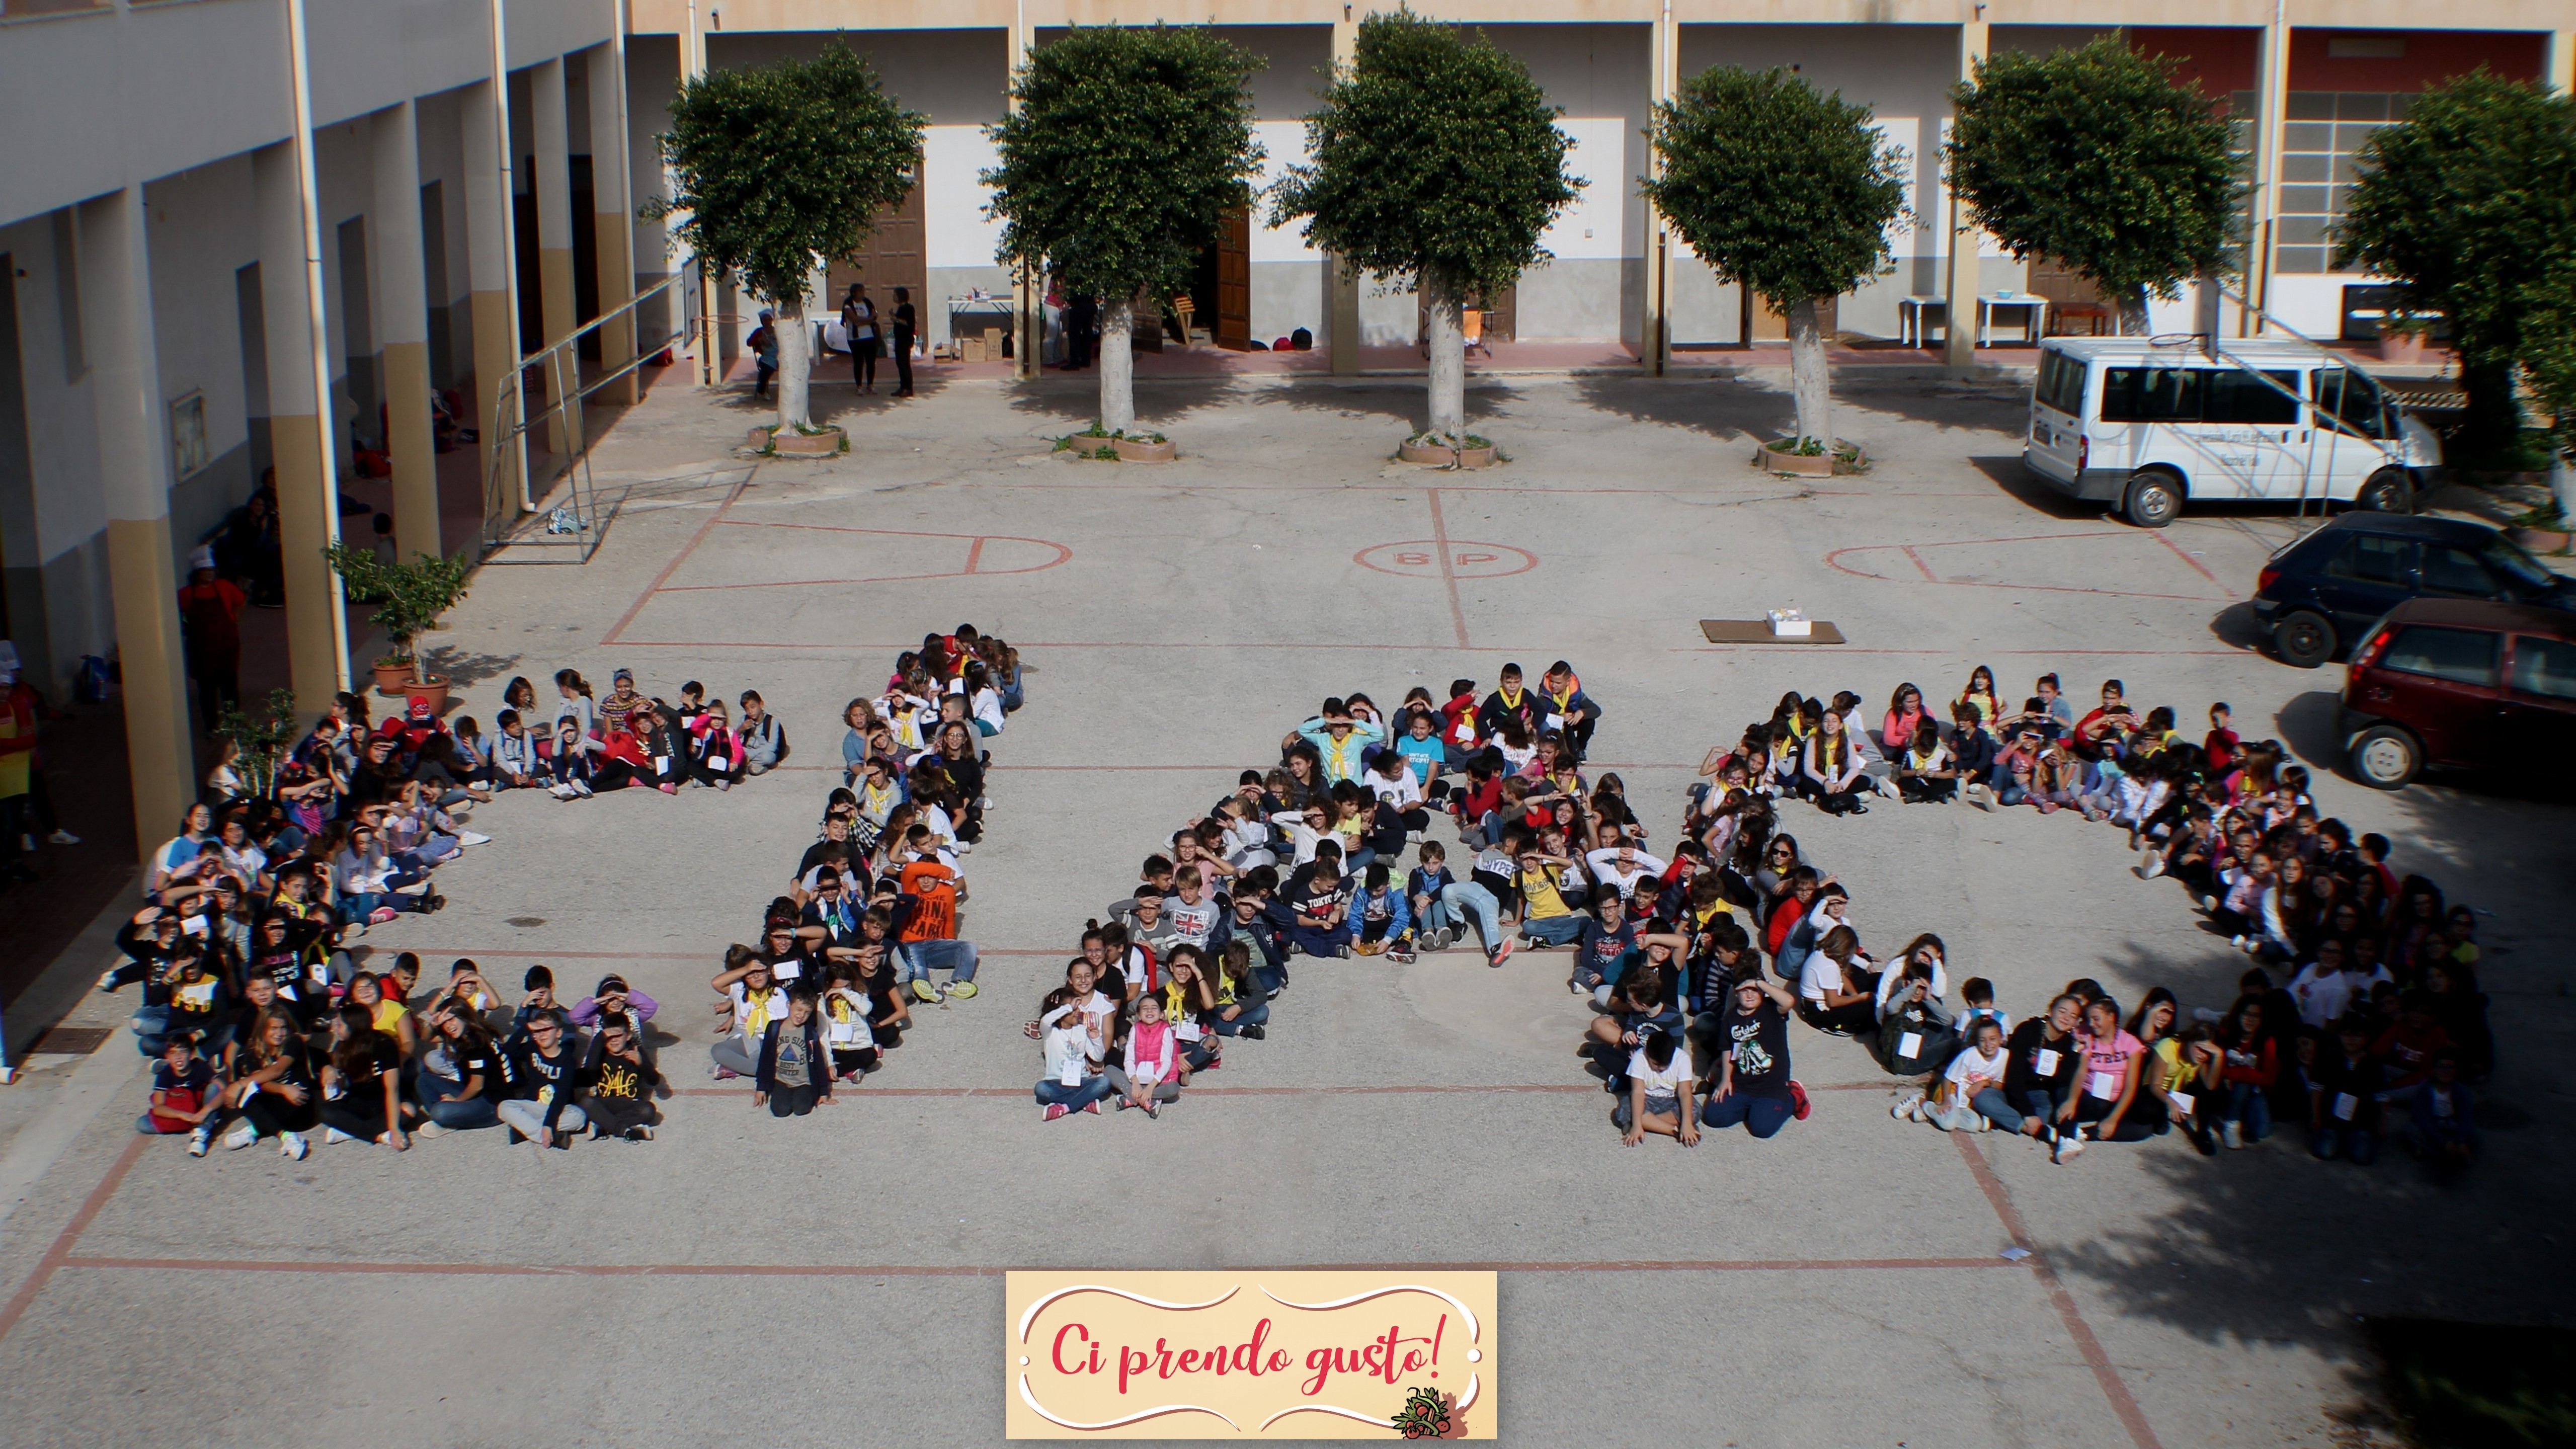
(71, 1041)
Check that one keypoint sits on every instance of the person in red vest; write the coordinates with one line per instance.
(210, 623)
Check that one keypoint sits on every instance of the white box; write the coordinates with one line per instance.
(1790, 624)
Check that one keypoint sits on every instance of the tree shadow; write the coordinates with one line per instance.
(1403, 400)
(1729, 407)
(1967, 405)
(1074, 400)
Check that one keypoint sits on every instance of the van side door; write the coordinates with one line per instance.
(2259, 424)
(2356, 431)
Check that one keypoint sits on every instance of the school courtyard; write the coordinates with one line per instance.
(1853, 1281)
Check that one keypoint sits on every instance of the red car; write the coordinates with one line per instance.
(2460, 682)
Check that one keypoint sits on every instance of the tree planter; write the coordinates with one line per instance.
(823, 442)
(435, 691)
(393, 679)
(1144, 450)
(1475, 452)
(1845, 456)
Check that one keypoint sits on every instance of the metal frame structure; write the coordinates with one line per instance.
(561, 525)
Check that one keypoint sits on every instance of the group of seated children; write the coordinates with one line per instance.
(363, 1065)
(588, 745)
(1306, 858)
(2377, 1024)
(870, 913)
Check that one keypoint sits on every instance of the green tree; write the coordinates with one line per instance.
(2468, 207)
(780, 169)
(2097, 157)
(1129, 146)
(1436, 157)
(409, 596)
(2549, 360)
(1784, 191)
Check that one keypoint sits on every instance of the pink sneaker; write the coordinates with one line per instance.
(1092, 1106)
(670, 789)
(1055, 1110)
(382, 914)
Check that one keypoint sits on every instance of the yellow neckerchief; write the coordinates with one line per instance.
(1573, 682)
(1831, 748)
(1511, 697)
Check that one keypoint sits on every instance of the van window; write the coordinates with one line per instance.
(2464, 656)
(2349, 400)
(2544, 666)
(2061, 384)
(2271, 400)
(2152, 394)
(2373, 559)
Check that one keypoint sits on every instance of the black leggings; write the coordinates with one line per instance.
(793, 1101)
(863, 361)
(902, 360)
(270, 1114)
(850, 1061)
(361, 1115)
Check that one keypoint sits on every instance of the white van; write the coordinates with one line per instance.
(2144, 424)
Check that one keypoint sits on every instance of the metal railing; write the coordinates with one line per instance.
(2336, 425)
(564, 523)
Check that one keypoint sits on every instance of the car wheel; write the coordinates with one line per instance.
(2387, 491)
(2155, 498)
(2304, 639)
(2385, 757)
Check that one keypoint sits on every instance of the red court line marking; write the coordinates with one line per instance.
(976, 553)
(973, 552)
(1448, 572)
(2114, 1388)
(60, 1254)
(677, 559)
(1920, 564)
(978, 1270)
(2159, 535)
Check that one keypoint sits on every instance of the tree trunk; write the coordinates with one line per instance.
(1448, 356)
(2491, 427)
(795, 360)
(2133, 312)
(1118, 364)
(1809, 383)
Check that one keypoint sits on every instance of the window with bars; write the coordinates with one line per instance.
(2321, 134)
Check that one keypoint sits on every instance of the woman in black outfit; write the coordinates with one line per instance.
(906, 323)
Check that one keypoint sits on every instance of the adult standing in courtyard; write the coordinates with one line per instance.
(907, 325)
(859, 323)
(210, 623)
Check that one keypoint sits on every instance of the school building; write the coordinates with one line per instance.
(254, 235)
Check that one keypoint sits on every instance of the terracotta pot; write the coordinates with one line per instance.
(1820, 465)
(1413, 452)
(1139, 450)
(1475, 457)
(789, 443)
(2541, 540)
(393, 679)
(435, 691)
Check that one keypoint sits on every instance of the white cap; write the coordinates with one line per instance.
(203, 558)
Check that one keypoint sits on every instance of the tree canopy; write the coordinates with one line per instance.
(778, 166)
(1129, 146)
(1433, 150)
(2466, 205)
(2100, 158)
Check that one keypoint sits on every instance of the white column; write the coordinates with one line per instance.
(300, 435)
(402, 322)
(491, 265)
(550, 180)
(1342, 292)
(135, 477)
(2271, 104)
(612, 211)
(1959, 338)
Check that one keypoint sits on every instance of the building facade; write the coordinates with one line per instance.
(245, 239)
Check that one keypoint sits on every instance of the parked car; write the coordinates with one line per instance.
(2316, 594)
(2460, 682)
(2143, 424)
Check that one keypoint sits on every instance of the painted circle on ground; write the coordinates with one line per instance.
(1420, 558)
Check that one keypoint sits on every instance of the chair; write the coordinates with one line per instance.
(1471, 325)
(1191, 335)
(2094, 314)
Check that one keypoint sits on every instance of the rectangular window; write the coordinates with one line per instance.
(2347, 398)
(2545, 667)
(2375, 560)
(2458, 573)
(2245, 400)
(2152, 394)
(2061, 383)
(2463, 656)
(2323, 133)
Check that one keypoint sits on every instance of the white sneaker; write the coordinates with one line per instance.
(1906, 1106)
(333, 1137)
(63, 837)
(2231, 1134)
(560, 792)
(470, 837)
(2154, 867)
(242, 1135)
(292, 1145)
(2070, 1142)
(582, 789)
(107, 982)
(965, 847)
(430, 1129)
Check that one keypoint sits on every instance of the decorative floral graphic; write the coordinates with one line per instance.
(1424, 1415)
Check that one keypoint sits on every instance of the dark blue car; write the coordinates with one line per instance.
(2317, 594)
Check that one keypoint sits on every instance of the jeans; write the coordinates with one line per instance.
(1760, 1115)
(1467, 899)
(464, 1116)
(923, 957)
(1052, 1093)
(1997, 1108)
(2356, 1145)
(1432, 913)
(1250, 1016)
(2251, 1110)
(1318, 941)
(525, 1115)
(1554, 930)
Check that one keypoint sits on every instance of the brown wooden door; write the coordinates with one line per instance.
(1233, 320)
(890, 257)
(1772, 325)
(2061, 283)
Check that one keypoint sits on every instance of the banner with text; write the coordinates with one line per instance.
(1252, 1355)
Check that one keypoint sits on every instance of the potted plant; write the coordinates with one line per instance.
(1465, 450)
(409, 598)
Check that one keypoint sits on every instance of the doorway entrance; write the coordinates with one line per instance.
(1498, 314)
(1220, 289)
(1764, 323)
(891, 257)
